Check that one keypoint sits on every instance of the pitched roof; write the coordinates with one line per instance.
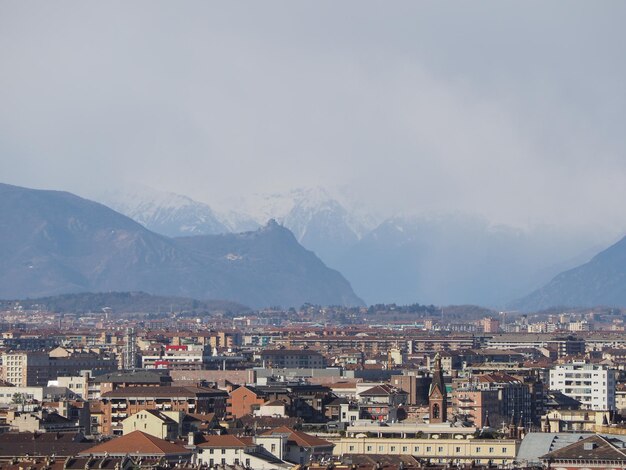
(499, 377)
(58, 443)
(300, 438)
(268, 422)
(274, 403)
(381, 390)
(158, 414)
(135, 443)
(226, 441)
(595, 447)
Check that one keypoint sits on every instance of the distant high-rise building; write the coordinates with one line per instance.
(491, 325)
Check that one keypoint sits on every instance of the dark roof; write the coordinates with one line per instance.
(338, 402)
(187, 392)
(268, 422)
(561, 401)
(58, 443)
(139, 376)
(56, 418)
(594, 448)
(290, 352)
(162, 416)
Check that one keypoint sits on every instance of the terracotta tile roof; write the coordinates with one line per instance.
(300, 438)
(498, 378)
(343, 385)
(135, 443)
(227, 441)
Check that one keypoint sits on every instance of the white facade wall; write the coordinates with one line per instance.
(591, 384)
(233, 456)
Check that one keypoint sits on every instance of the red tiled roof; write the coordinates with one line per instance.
(135, 443)
(300, 438)
(498, 378)
(226, 441)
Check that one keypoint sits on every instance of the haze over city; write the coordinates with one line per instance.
(283, 235)
(511, 111)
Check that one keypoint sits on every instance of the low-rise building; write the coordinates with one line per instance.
(458, 451)
(153, 422)
(239, 450)
(119, 404)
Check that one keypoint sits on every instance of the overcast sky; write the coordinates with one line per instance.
(511, 110)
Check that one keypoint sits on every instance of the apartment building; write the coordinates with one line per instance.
(293, 358)
(178, 357)
(33, 368)
(593, 385)
(121, 403)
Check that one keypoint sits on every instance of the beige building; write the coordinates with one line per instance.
(33, 394)
(32, 368)
(575, 420)
(26, 369)
(461, 450)
(153, 422)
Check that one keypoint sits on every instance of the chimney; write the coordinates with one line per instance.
(191, 439)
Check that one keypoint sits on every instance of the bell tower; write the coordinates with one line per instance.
(437, 397)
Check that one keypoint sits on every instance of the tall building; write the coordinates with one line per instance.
(491, 325)
(591, 384)
(31, 368)
(437, 397)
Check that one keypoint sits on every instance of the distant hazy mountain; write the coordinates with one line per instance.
(444, 259)
(167, 213)
(55, 242)
(452, 260)
(601, 281)
(317, 219)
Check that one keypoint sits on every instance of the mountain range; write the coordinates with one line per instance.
(601, 281)
(55, 242)
(443, 259)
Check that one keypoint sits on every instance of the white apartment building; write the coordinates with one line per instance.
(591, 384)
(185, 357)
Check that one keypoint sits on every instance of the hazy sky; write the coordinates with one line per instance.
(514, 110)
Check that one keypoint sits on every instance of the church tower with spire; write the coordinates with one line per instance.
(437, 397)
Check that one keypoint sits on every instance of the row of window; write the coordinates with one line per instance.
(428, 449)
